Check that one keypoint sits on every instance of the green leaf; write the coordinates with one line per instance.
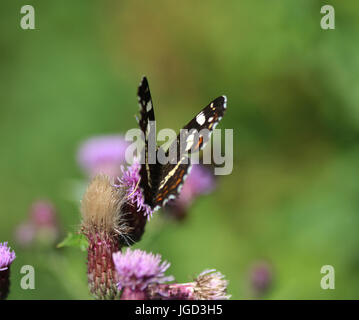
(77, 240)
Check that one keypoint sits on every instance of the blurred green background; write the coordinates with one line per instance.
(293, 102)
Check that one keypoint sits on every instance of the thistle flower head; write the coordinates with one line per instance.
(210, 285)
(6, 256)
(101, 207)
(130, 182)
(104, 225)
(103, 155)
(137, 269)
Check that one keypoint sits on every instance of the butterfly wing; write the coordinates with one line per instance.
(145, 102)
(160, 183)
(196, 134)
(149, 172)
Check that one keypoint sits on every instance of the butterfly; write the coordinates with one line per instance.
(162, 182)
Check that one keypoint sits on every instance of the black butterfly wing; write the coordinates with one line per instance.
(196, 134)
(145, 102)
(201, 127)
(149, 173)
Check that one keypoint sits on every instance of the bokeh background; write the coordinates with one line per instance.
(291, 203)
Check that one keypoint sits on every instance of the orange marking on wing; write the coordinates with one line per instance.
(200, 141)
(162, 195)
(178, 181)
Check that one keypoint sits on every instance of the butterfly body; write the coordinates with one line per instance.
(162, 182)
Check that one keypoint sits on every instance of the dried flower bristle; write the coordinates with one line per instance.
(211, 285)
(104, 226)
(101, 207)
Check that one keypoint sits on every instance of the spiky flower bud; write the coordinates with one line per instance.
(110, 220)
(103, 225)
(6, 258)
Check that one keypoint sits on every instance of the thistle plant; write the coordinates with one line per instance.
(6, 258)
(113, 216)
(101, 223)
(141, 276)
(136, 271)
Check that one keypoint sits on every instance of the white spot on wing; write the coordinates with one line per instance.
(201, 118)
(225, 102)
(149, 106)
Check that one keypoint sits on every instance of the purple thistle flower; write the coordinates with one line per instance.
(103, 155)
(130, 181)
(6, 256)
(138, 269)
